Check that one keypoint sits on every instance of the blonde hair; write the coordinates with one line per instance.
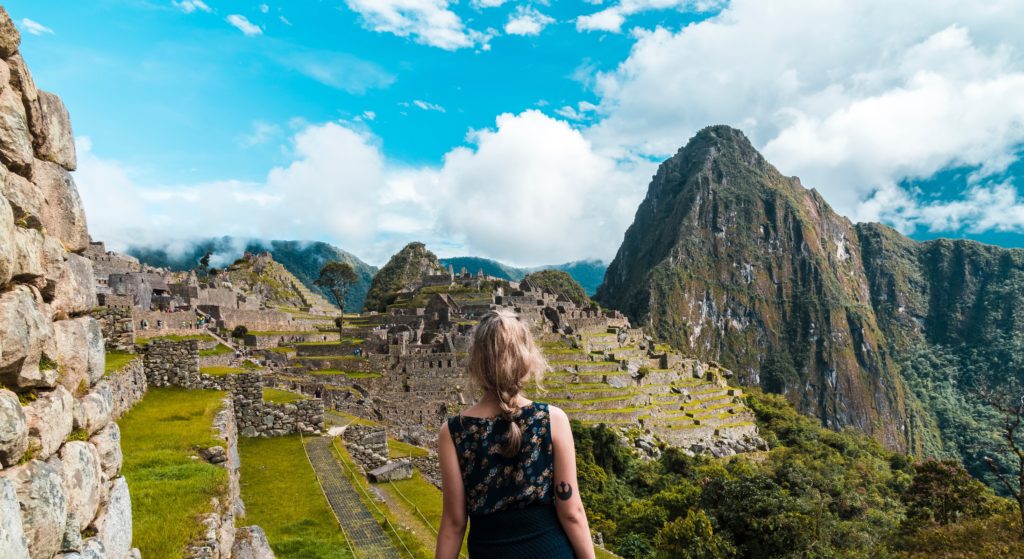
(502, 358)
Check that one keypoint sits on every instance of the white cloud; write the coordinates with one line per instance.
(611, 19)
(578, 113)
(243, 24)
(35, 28)
(526, 20)
(189, 6)
(428, 106)
(339, 70)
(262, 132)
(488, 3)
(284, 20)
(853, 97)
(532, 179)
(428, 22)
(264, 8)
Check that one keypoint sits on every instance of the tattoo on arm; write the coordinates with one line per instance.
(563, 491)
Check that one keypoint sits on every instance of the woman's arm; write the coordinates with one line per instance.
(567, 495)
(453, 515)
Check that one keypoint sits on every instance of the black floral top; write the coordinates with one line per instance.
(494, 483)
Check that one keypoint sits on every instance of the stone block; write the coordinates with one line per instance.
(26, 200)
(79, 352)
(7, 250)
(108, 444)
(9, 36)
(114, 523)
(83, 482)
(392, 471)
(94, 410)
(44, 507)
(29, 261)
(251, 543)
(50, 419)
(54, 140)
(13, 429)
(13, 544)
(63, 215)
(15, 137)
(26, 333)
(74, 289)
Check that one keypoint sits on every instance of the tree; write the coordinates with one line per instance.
(240, 331)
(1012, 430)
(691, 537)
(337, 277)
(942, 493)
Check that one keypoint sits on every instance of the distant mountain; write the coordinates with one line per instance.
(302, 258)
(732, 261)
(588, 273)
(407, 266)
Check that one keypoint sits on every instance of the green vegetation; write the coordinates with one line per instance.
(170, 489)
(221, 349)
(300, 526)
(817, 493)
(404, 268)
(118, 360)
(334, 418)
(221, 371)
(175, 338)
(349, 374)
(401, 449)
(560, 282)
(276, 396)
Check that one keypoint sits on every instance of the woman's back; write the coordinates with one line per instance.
(494, 482)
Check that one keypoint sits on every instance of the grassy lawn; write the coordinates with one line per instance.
(221, 371)
(275, 396)
(169, 488)
(281, 349)
(117, 360)
(221, 349)
(334, 418)
(175, 338)
(301, 525)
(401, 449)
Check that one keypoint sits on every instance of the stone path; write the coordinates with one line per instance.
(367, 537)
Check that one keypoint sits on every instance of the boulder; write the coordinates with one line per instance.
(50, 419)
(108, 444)
(63, 216)
(392, 471)
(74, 290)
(44, 507)
(26, 200)
(94, 410)
(7, 250)
(13, 544)
(82, 477)
(15, 138)
(9, 36)
(79, 352)
(251, 543)
(28, 254)
(21, 79)
(13, 429)
(52, 133)
(26, 333)
(114, 523)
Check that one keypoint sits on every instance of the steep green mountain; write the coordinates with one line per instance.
(405, 268)
(302, 258)
(559, 282)
(588, 273)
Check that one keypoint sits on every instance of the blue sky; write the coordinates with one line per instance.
(523, 131)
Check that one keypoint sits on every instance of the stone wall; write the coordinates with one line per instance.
(257, 418)
(127, 386)
(172, 363)
(368, 445)
(61, 489)
(118, 329)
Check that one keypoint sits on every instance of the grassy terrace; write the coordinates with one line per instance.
(176, 338)
(221, 371)
(333, 418)
(118, 360)
(400, 449)
(170, 488)
(221, 349)
(291, 333)
(275, 396)
(349, 374)
(300, 526)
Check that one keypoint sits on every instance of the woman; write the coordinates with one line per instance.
(508, 465)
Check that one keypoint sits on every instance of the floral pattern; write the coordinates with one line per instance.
(493, 482)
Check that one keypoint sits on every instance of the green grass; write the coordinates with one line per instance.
(400, 449)
(300, 526)
(282, 349)
(221, 349)
(118, 360)
(417, 504)
(169, 488)
(176, 338)
(275, 396)
(290, 333)
(333, 418)
(349, 374)
(221, 371)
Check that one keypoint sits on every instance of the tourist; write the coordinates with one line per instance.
(508, 465)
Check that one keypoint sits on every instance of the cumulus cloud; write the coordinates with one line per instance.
(853, 97)
(428, 22)
(428, 106)
(35, 28)
(243, 24)
(189, 6)
(526, 20)
(611, 19)
(531, 190)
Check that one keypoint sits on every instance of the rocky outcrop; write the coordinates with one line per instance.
(61, 493)
(405, 268)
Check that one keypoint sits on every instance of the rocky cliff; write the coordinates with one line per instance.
(61, 492)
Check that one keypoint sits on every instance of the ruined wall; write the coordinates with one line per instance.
(117, 327)
(257, 418)
(127, 386)
(61, 491)
(368, 445)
